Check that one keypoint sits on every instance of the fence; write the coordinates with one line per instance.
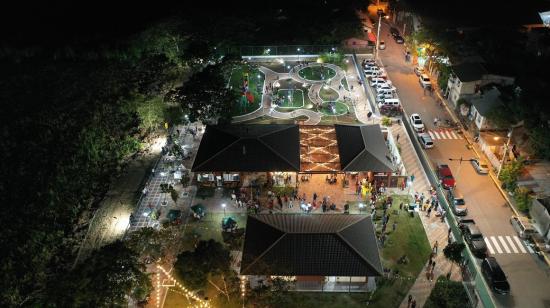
(295, 50)
(474, 283)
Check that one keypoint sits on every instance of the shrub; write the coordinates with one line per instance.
(523, 198)
(386, 121)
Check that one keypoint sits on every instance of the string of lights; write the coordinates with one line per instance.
(188, 293)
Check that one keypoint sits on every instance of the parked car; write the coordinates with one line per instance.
(390, 110)
(417, 123)
(456, 199)
(376, 80)
(384, 87)
(474, 239)
(424, 81)
(418, 70)
(399, 39)
(445, 176)
(426, 141)
(463, 222)
(522, 226)
(382, 45)
(390, 102)
(368, 65)
(494, 276)
(480, 166)
(394, 32)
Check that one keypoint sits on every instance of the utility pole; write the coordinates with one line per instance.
(505, 151)
(460, 160)
(378, 35)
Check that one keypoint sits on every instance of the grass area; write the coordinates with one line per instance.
(448, 294)
(317, 73)
(340, 108)
(409, 239)
(344, 83)
(291, 98)
(328, 94)
(210, 228)
(255, 87)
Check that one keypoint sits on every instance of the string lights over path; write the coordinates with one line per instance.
(184, 291)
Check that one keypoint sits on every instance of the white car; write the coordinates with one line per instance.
(424, 80)
(480, 166)
(382, 45)
(417, 123)
(426, 141)
(377, 80)
(387, 86)
(418, 70)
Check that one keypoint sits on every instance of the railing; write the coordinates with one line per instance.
(476, 281)
(297, 50)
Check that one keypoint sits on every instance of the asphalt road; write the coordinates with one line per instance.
(529, 278)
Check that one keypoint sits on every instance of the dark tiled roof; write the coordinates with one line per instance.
(249, 148)
(469, 71)
(310, 245)
(363, 148)
(485, 102)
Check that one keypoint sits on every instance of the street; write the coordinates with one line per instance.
(529, 278)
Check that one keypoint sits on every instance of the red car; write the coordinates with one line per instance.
(445, 176)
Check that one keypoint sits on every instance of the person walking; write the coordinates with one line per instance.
(436, 246)
(413, 304)
(429, 211)
(397, 138)
(409, 301)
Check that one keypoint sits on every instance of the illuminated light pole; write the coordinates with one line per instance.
(223, 206)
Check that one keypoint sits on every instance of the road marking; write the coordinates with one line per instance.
(509, 239)
(448, 135)
(489, 246)
(520, 244)
(501, 239)
(431, 134)
(437, 135)
(496, 244)
(454, 135)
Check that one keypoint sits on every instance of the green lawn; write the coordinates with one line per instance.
(317, 73)
(210, 228)
(340, 109)
(344, 83)
(291, 98)
(328, 94)
(409, 239)
(255, 86)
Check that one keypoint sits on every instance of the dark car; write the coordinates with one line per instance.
(463, 222)
(394, 32)
(474, 239)
(399, 39)
(494, 276)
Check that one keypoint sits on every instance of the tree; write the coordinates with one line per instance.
(523, 198)
(448, 294)
(453, 252)
(104, 279)
(510, 173)
(209, 257)
(205, 96)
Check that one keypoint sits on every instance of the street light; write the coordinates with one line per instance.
(223, 206)
(460, 160)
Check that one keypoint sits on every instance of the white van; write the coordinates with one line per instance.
(389, 102)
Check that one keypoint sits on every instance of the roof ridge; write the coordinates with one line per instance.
(273, 150)
(219, 152)
(355, 158)
(268, 248)
(364, 258)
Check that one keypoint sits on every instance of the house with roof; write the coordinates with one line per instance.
(467, 78)
(482, 104)
(329, 253)
(241, 155)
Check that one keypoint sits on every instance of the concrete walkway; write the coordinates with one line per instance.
(435, 229)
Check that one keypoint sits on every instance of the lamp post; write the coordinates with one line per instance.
(460, 160)
(505, 151)
(378, 35)
(223, 206)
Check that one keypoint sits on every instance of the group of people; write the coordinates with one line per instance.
(325, 203)
(431, 263)
(386, 205)
(429, 204)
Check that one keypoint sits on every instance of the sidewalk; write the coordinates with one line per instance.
(436, 230)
